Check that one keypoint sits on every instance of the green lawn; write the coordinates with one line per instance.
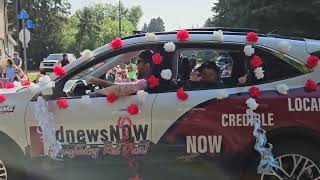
(32, 75)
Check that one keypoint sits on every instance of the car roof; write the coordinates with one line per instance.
(298, 48)
(231, 36)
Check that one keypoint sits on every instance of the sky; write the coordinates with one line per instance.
(176, 14)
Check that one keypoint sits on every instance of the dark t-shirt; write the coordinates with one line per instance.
(64, 62)
(17, 61)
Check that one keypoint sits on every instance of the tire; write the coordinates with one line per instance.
(298, 159)
(11, 162)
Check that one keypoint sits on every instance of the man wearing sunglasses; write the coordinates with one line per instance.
(144, 64)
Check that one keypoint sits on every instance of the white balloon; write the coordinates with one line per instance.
(86, 54)
(222, 95)
(169, 47)
(218, 36)
(248, 50)
(282, 89)
(252, 104)
(151, 37)
(166, 74)
(259, 73)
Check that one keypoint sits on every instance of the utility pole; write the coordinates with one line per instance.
(19, 23)
(120, 19)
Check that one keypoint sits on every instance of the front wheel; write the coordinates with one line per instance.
(11, 163)
(298, 160)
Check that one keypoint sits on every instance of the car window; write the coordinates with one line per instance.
(276, 67)
(208, 68)
(120, 66)
(220, 67)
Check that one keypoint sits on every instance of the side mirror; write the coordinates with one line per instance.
(47, 90)
(69, 86)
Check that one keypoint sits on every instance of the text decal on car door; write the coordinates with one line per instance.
(204, 144)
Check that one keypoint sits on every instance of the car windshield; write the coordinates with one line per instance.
(54, 57)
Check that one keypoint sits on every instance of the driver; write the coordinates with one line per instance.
(144, 71)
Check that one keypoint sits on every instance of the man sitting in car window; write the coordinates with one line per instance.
(144, 63)
(207, 75)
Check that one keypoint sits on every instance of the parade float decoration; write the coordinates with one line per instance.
(166, 74)
(58, 70)
(151, 37)
(62, 103)
(169, 47)
(218, 36)
(116, 43)
(182, 95)
(267, 161)
(282, 89)
(47, 126)
(86, 54)
(2, 99)
(248, 50)
(111, 98)
(312, 61)
(183, 35)
(157, 58)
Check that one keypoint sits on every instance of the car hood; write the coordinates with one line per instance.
(50, 61)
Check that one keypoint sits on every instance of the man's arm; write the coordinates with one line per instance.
(120, 90)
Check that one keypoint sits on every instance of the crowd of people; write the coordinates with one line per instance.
(13, 71)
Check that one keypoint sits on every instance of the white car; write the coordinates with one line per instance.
(47, 64)
(204, 134)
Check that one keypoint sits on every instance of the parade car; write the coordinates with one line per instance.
(204, 134)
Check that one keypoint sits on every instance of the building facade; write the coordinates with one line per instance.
(7, 43)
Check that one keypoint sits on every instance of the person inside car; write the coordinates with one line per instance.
(144, 64)
(208, 74)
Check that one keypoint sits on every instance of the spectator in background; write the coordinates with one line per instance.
(17, 60)
(10, 70)
(65, 61)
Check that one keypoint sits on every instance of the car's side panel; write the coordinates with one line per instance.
(12, 116)
(167, 108)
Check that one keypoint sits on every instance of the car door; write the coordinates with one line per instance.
(198, 130)
(94, 128)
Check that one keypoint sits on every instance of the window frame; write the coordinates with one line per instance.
(60, 81)
(290, 61)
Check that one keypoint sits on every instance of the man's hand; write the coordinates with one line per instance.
(242, 80)
(195, 76)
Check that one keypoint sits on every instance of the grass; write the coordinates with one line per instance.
(32, 75)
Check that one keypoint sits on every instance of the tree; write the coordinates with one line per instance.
(50, 17)
(134, 14)
(145, 27)
(155, 25)
(96, 25)
(287, 17)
